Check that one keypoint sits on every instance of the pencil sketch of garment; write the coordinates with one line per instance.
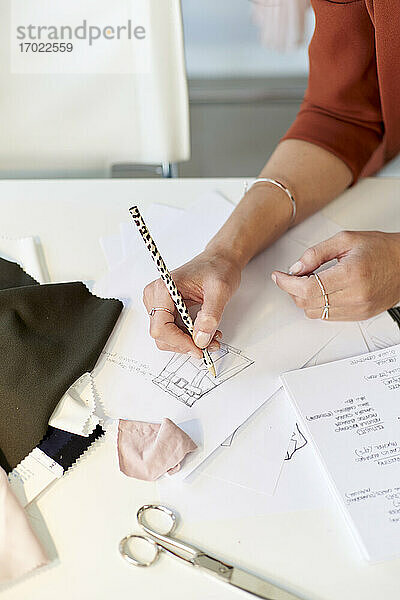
(187, 379)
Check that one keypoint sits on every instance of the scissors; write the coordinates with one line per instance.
(194, 556)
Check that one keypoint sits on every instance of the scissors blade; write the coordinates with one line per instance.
(259, 587)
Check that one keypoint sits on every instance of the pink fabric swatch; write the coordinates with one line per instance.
(20, 551)
(148, 450)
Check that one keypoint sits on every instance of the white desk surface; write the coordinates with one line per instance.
(94, 506)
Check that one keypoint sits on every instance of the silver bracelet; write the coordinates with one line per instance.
(281, 186)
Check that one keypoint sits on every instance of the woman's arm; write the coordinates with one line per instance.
(339, 124)
(314, 175)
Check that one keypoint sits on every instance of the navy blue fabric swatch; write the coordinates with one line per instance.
(64, 447)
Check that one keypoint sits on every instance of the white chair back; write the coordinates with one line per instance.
(80, 124)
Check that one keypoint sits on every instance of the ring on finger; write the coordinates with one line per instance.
(325, 311)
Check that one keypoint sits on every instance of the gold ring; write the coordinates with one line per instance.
(325, 310)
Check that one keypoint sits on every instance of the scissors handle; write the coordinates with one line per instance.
(160, 542)
(128, 556)
(166, 541)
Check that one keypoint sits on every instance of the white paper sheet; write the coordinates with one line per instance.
(111, 246)
(350, 410)
(299, 487)
(380, 332)
(349, 342)
(122, 245)
(313, 230)
(158, 217)
(200, 497)
(261, 324)
(253, 455)
(253, 438)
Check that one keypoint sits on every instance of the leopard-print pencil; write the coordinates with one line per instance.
(169, 282)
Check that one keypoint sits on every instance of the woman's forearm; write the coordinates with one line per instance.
(314, 176)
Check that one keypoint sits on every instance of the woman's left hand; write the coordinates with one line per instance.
(364, 282)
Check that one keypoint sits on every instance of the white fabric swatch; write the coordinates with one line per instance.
(27, 253)
(75, 411)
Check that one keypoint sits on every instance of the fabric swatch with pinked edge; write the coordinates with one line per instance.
(50, 335)
(65, 448)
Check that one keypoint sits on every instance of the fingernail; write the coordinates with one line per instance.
(218, 335)
(213, 347)
(273, 277)
(202, 339)
(296, 268)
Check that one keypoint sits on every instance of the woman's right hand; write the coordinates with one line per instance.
(210, 279)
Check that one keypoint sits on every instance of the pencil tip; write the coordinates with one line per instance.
(212, 371)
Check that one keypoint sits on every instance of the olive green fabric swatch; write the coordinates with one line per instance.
(11, 275)
(49, 336)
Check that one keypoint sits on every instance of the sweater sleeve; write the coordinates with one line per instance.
(341, 111)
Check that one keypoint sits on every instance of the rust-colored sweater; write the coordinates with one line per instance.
(352, 103)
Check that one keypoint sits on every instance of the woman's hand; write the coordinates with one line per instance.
(364, 282)
(209, 279)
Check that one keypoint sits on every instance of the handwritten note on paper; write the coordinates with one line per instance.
(351, 409)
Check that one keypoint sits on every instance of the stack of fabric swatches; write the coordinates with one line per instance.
(51, 336)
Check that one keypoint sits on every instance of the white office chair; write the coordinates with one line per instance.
(83, 125)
